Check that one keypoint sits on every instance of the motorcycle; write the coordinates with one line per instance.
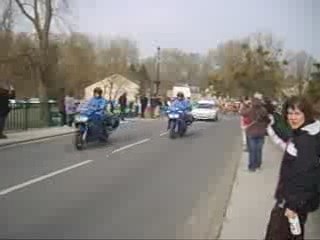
(89, 131)
(177, 124)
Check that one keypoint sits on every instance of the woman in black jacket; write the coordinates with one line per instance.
(297, 191)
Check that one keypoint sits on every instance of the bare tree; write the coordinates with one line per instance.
(113, 85)
(246, 66)
(303, 65)
(116, 55)
(6, 16)
(40, 13)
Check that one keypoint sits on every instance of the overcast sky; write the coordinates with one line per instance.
(197, 25)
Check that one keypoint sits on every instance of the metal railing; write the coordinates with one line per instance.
(25, 115)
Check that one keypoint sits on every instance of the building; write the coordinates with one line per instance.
(135, 81)
(114, 86)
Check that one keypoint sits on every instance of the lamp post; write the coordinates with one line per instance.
(157, 82)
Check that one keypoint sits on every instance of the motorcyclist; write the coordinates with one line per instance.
(181, 103)
(184, 105)
(95, 108)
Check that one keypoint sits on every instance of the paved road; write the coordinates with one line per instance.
(141, 185)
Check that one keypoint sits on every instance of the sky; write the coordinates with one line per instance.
(198, 25)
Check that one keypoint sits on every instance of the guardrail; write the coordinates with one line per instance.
(25, 115)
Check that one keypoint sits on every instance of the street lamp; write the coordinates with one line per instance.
(157, 82)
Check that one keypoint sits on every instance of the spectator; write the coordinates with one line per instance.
(153, 105)
(62, 107)
(112, 103)
(297, 192)
(144, 104)
(7, 92)
(159, 106)
(131, 106)
(71, 107)
(244, 121)
(255, 132)
(123, 105)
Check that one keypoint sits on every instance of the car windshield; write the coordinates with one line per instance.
(206, 105)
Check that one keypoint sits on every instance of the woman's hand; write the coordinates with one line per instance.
(290, 214)
(272, 121)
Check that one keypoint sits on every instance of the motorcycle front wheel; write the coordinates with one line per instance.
(182, 131)
(173, 134)
(79, 141)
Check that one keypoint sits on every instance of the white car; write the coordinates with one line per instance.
(206, 110)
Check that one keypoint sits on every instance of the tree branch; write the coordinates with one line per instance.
(24, 11)
(48, 16)
(36, 14)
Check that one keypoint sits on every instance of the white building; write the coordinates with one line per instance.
(114, 86)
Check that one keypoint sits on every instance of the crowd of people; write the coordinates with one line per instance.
(296, 130)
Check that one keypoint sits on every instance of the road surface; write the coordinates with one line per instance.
(141, 185)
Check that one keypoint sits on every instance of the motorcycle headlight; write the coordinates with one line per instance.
(173, 115)
(81, 118)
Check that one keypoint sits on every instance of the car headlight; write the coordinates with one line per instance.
(81, 118)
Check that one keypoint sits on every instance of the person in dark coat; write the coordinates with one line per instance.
(256, 132)
(62, 106)
(144, 103)
(154, 102)
(123, 105)
(297, 191)
(6, 93)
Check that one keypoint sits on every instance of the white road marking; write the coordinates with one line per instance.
(164, 133)
(131, 145)
(39, 179)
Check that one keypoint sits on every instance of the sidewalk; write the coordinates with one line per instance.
(252, 200)
(35, 134)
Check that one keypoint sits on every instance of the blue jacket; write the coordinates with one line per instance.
(96, 105)
(183, 105)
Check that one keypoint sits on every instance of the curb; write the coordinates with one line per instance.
(230, 191)
(4, 145)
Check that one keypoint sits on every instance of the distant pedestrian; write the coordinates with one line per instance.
(244, 121)
(62, 107)
(153, 105)
(7, 92)
(144, 104)
(123, 105)
(256, 132)
(112, 103)
(297, 192)
(70, 107)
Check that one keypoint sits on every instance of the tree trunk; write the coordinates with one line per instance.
(300, 87)
(43, 96)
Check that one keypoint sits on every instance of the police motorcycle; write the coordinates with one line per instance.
(89, 128)
(177, 122)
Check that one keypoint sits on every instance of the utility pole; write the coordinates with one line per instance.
(158, 71)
